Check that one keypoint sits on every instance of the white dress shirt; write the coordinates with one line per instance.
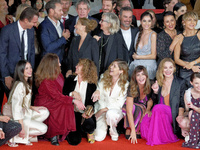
(127, 37)
(57, 26)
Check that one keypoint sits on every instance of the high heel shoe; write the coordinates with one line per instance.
(12, 144)
(91, 140)
(54, 141)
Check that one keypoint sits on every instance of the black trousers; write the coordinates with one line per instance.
(88, 126)
(10, 129)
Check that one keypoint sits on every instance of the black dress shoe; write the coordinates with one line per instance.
(54, 141)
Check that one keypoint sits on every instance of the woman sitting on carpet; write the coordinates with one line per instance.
(138, 103)
(83, 85)
(50, 81)
(30, 117)
(169, 90)
(111, 95)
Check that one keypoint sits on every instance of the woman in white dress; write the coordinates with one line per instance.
(30, 117)
(111, 95)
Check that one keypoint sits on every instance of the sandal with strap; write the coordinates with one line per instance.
(91, 140)
(29, 143)
(12, 144)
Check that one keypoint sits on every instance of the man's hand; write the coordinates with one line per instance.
(66, 34)
(8, 82)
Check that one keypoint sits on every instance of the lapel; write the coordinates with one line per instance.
(52, 29)
(173, 90)
(29, 41)
(16, 35)
(85, 43)
(124, 43)
(110, 42)
(132, 38)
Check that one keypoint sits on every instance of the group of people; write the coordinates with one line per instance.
(92, 72)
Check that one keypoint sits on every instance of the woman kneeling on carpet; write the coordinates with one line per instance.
(111, 95)
(138, 103)
(169, 90)
(50, 81)
(30, 117)
(82, 85)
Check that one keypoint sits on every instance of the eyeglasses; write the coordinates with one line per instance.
(104, 21)
(39, 3)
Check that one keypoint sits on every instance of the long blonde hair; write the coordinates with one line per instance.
(123, 77)
(159, 74)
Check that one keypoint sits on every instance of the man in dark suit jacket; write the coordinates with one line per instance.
(16, 43)
(52, 37)
(8, 129)
(83, 9)
(128, 33)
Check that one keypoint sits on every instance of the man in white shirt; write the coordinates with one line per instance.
(128, 33)
(52, 35)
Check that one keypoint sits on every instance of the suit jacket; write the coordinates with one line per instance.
(158, 4)
(159, 18)
(70, 85)
(89, 49)
(68, 21)
(10, 49)
(49, 39)
(127, 53)
(176, 99)
(114, 49)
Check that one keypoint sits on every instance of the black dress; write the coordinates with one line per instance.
(190, 51)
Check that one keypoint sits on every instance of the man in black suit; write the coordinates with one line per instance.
(107, 6)
(168, 6)
(128, 33)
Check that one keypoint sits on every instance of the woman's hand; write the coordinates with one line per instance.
(96, 96)
(133, 137)
(69, 72)
(135, 56)
(196, 68)
(22, 133)
(97, 37)
(4, 119)
(76, 95)
(155, 87)
(189, 65)
(148, 112)
(190, 105)
(2, 135)
(86, 117)
(37, 108)
(100, 112)
(79, 104)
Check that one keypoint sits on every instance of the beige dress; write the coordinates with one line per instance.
(32, 120)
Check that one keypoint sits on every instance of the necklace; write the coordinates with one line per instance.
(102, 45)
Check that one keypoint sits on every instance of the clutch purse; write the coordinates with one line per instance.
(88, 110)
(7, 109)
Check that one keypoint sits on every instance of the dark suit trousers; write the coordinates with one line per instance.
(10, 129)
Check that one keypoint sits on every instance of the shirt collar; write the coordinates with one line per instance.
(20, 27)
(76, 79)
(55, 24)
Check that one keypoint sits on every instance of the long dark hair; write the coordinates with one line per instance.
(141, 29)
(19, 75)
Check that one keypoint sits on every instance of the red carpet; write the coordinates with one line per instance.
(107, 144)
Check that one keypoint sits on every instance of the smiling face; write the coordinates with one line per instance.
(3, 7)
(180, 11)
(27, 71)
(125, 19)
(141, 78)
(79, 28)
(107, 6)
(114, 70)
(66, 4)
(196, 84)
(32, 23)
(79, 69)
(105, 25)
(39, 4)
(170, 22)
(146, 22)
(168, 69)
(57, 12)
(170, 6)
(190, 23)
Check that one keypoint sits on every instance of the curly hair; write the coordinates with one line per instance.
(159, 74)
(89, 70)
(48, 68)
(141, 29)
(123, 77)
(90, 25)
(134, 85)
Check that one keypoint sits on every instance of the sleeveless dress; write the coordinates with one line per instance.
(149, 64)
(190, 51)
(158, 129)
(194, 133)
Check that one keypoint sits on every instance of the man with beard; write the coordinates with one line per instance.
(128, 33)
(52, 35)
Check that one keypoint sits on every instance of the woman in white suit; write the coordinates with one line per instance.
(111, 95)
(30, 117)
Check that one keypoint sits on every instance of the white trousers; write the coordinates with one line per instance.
(111, 118)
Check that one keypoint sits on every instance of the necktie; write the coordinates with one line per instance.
(22, 45)
(64, 19)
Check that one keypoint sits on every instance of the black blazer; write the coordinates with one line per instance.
(68, 21)
(89, 49)
(70, 85)
(127, 53)
(176, 99)
(114, 49)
